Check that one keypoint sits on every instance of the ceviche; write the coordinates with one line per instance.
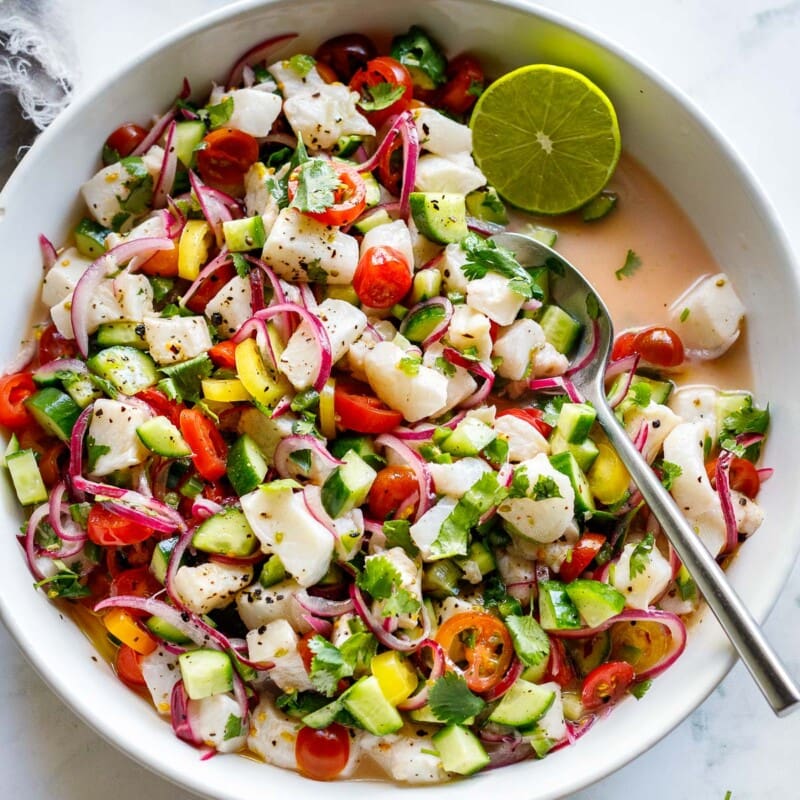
(300, 439)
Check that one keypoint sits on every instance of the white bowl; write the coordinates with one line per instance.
(660, 127)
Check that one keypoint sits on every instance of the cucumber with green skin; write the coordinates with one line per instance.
(161, 437)
(439, 216)
(122, 332)
(246, 465)
(568, 465)
(159, 561)
(370, 708)
(90, 238)
(127, 369)
(55, 411)
(348, 485)
(226, 533)
(560, 329)
(523, 704)
(556, 609)
(596, 602)
(460, 750)
(25, 476)
(205, 673)
(419, 325)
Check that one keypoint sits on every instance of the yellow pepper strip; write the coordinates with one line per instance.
(123, 626)
(224, 390)
(608, 478)
(396, 677)
(195, 240)
(327, 415)
(264, 387)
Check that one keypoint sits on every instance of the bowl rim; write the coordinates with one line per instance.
(721, 664)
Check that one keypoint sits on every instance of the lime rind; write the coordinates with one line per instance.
(546, 138)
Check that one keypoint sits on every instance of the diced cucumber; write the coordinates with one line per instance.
(348, 485)
(556, 609)
(427, 284)
(560, 329)
(370, 708)
(587, 654)
(468, 438)
(129, 370)
(246, 465)
(542, 234)
(126, 333)
(373, 189)
(272, 572)
(226, 533)
(55, 411)
(346, 145)
(25, 476)
(166, 631)
(188, 134)
(575, 421)
(159, 561)
(481, 556)
(244, 234)
(659, 390)
(161, 437)
(440, 217)
(599, 207)
(81, 388)
(567, 464)
(367, 223)
(90, 238)
(362, 446)
(205, 673)
(342, 291)
(584, 453)
(596, 602)
(460, 750)
(523, 704)
(486, 204)
(687, 588)
(440, 579)
(728, 403)
(325, 716)
(11, 448)
(419, 325)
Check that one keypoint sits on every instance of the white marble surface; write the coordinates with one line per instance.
(739, 61)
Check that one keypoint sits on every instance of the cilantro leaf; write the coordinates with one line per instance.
(520, 483)
(545, 488)
(445, 367)
(65, 583)
(484, 255)
(316, 186)
(307, 400)
(379, 578)
(240, 264)
(640, 557)
(592, 306)
(316, 273)
(302, 64)
(358, 650)
(298, 704)
(552, 409)
(640, 394)
(328, 666)
(233, 728)
(279, 191)
(669, 472)
(416, 50)
(401, 602)
(380, 95)
(451, 701)
(397, 533)
(187, 376)
(629, 268)
(747, 419)
(530, 641)
(94, 451)
(218, 115)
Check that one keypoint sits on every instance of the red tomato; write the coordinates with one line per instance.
(656, 345)
(581, 555)
(349, 201)
(14, 391)
(391, 487)
(138, 582)
(99, 584)
(743, 476)
(109, 529)
(322, 754)
(483, 642)
(125, 139)
(50, 465)
(226, 157)
(390, 167)
(357, 409)
(382, 277)
(53, 345)
(222, 354)
(161, 404)
(163, 263)
(304, 649)
(606, 684)
(466, 82)
(208, 447)
(209, 288)
(389, 75)
(559, 667)
(346, 54)
(534, 416)
(129, 667)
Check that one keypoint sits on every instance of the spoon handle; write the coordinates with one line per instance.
(745, 635)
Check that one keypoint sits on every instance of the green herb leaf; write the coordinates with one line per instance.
(94, 451)
(187, 376)
(485, 256)
(328, 666)
(307, 400)
(317, 182)
(298, 704)
(65, 583)
(640, 394)
(397, 533)
(382, 580)
(684, 315)
(445, 367)
(530, 641)
(233, 728)
(216, 116)
(358, 650)
(380, 95)
(748, 419)
(452, 702)
(545, 488)
(240, 264)
(629, 268)
(315, 272)
(552, 409)
(415, 49)
(302, 64)
(592, 306)
(669, 472)
(520, 483)
(640, 557)
(401, 602)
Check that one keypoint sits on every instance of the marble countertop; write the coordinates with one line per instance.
(736, 60)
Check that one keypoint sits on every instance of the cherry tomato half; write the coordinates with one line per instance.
(209, 450)
(108, 529)
(581, 555)
(483, 642)
(382, 277)
(606, 684)
(382, 79)
(138, 581)
(346, 54)
(466, 81)
(742, 475)
(350, 198)
(14, 391)
(533, 416)
(223, 354)
(125, 139)
(390, 167)
(391, 487)
(129, 667)
(53, 345)
(357, 409)
(656, 345)
(163, 263)
(322, 754)
(227, 155)
(208, 289)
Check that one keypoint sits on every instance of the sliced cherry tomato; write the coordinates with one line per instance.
(481, 641)
(382, 277)
(138, 581)
(227, 155)
(641, 644)
(163, 263)
(390, 167)
(382, 79)
(559, 667)
(106, 528)
(534, 416)
(391, 487)
(742, 475)
(357, 409)
(14, 391)
(350, 198)
(125, 139)
(50, 463)
(581, 555)
(53, 345)
(161, 404)
(209, 287)
(208, 447)
(99, 584)
(606, 684)
(656, 345)
(322, 754)
(465, 84)
(346, 54)
(129, 667)
(223, 354)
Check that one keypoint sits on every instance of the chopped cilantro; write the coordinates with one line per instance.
(380, 95)
(475, 88)
(94, 452)
(592, 306)
(629, 268)
(640, 394)
(382, 580)
(545, 488)
(669, 472)
(530, 641)
(358, 650)
(307, 400)
(218, 115)
(748, 419)
(397, 533)
(496, 452)
(684, 315)
(417, 51)
(187, 376)
(241, 265)
(520, 483)
(552, 409)
(328, 666)
(316, 186)
(65, 583)
(233, 728)
(298, 704)
(484, 255)
(452, 702)
(640, 557)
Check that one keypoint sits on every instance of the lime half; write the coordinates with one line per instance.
(546, 138)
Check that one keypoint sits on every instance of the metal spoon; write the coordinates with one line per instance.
(573, 293)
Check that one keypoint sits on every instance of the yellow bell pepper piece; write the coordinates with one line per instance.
(396, 677)
(608, 478)
(195, 240)
(261, 383)
(224, 390)
(123, 626)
